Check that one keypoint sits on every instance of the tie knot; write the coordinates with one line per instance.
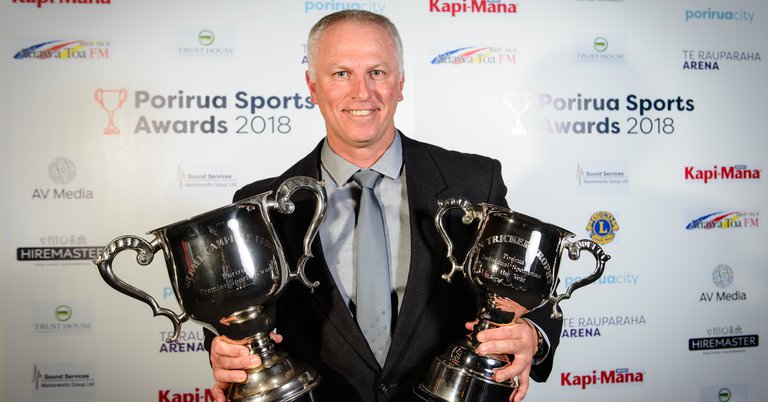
(367, 178)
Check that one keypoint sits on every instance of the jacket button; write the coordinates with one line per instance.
(383, 389)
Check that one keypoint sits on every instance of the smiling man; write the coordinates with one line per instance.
(356, 78)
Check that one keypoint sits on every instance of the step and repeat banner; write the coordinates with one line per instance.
(638, 124)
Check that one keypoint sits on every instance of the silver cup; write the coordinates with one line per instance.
(225, 267)
(512, 266)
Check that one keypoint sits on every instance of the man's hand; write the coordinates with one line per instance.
(518, 339)
(229, 360)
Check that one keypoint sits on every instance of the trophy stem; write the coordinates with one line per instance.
(279, 378)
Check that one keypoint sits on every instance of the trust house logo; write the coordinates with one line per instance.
(213, 42)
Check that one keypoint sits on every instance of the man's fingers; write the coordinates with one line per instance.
(218, 391)
(229, 376)
(523, 380)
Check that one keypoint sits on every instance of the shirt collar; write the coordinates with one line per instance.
(390, 164)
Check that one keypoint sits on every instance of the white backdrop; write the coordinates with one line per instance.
(647, 115)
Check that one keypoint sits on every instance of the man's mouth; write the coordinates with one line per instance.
(360, 112)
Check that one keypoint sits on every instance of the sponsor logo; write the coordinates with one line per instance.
(712, 59)
(41, 3)
(602, 177)
(709, 14)
(602, 227)
(189, 341)
(330, 6)
(477, 55)
(202, 42)
(472, 7)
(62, 171)
(601, 49)
(625, 278)
(722, 278)
(63, 380)
(725, 220)
(65, 50)
(204, 178)
(259, 114)
(185, 395)
(110, 100)
(602, 377)
(722, 173)
(590, 327)
(70, 248)
(62, 319)
(724, 393)
(304, 57)
(724, 338)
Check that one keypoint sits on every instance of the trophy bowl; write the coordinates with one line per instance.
(512, 266)
(226, 266)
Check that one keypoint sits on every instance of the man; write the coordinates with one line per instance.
(356, 78)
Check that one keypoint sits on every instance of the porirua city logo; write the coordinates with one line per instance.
(65, 50)
(472, 7)
(330, 6)
(602, 227)
(725, 220)
(741, 173)
(477, 55)
(740, 15)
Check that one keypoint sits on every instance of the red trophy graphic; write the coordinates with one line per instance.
(111, 100)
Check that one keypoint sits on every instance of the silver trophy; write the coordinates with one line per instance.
(512, 266)
(225, 266)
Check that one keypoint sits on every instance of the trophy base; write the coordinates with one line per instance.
(461, 375)
(279, 378)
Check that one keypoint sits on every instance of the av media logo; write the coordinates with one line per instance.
(78, 49)
(61, 171)
(734, 173)
(722, 278)
(602, 227)
(724, 220)
(472, 7)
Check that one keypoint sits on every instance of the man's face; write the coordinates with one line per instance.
(357, 86)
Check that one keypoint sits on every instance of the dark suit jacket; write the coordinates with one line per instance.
(318, 327)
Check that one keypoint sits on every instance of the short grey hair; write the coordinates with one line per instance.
(357, 16)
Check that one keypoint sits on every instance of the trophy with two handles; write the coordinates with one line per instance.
(224, 266)
(512, 266)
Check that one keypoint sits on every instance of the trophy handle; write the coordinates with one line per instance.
(285, 206)
(469, 215)
(574, 250)
(145, 253)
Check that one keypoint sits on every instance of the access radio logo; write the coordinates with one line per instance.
(79, 49)
(619, 376)
(733, 173)
(724, 219)
(472, 7)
